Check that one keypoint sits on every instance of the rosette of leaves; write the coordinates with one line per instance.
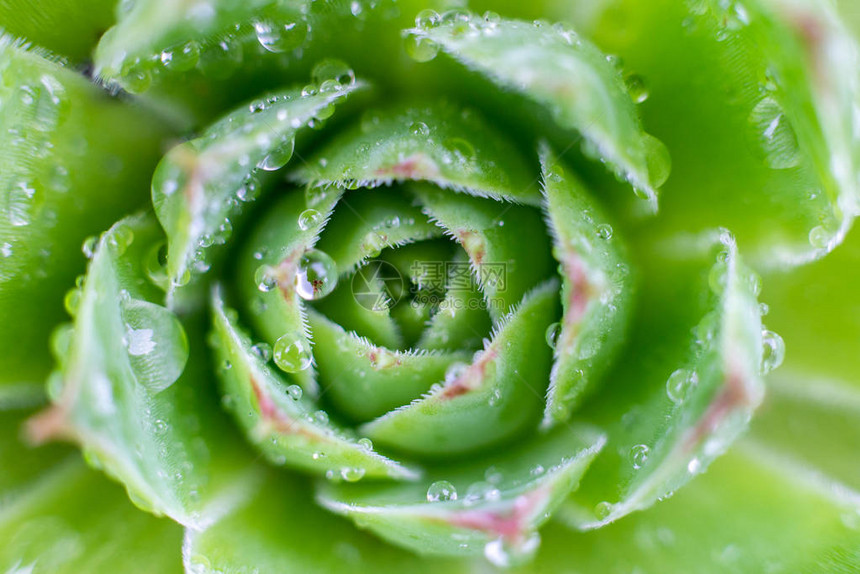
(387, 286)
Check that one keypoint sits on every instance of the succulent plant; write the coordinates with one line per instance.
(403, 286)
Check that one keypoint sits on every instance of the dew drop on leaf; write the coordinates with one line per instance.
(639, 455)
(292, 353)
(679, 385)
(773, 135)
(441, 491)
(552, 333)
(278, 37)
(773, 351)
(316, 276)
(421, 49)
(309, 218)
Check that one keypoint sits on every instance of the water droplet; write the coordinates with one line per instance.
(263, 351)
(694, 466)
(505, 554)
(441, 491)
(604, 231)
(279, 37)
(120, 237)
(636, 88)
(265, 278)
(365, 443)
(309, 219)
(320, 417)
(221, 60)
(462, 149)
(639, 455)
(72, 301)
(537, 470)
(316, 276)
(481, 492)
(137, 80)
(820, 237)
(427, 19)
(292, 353)
(88, 247)
(335, 71)
(773, 135)
(658, 160)
(603, 510)
(279, 156)
(352, 473)
(680, 383)
(552, 333)
(421, 49)
(183, 58)
(309, 91)
(294, 391)
(419, 129)
(773, 351)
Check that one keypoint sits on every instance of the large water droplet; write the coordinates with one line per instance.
(279, 37)
(773, 135)
(332, 70)
(292, 353)
(316, 276)
(637, 88)
(182, 58)
(658, 160)
(441, 491)
(155, 342)
(279, 156)
(309, 219)
(427, 19)
(421, 49)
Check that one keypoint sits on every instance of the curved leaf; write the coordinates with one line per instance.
(491, 399)
(460, 513)
(72, 161)
(119, 394)
(200, 185)
(689, 384)
(451, 147)
(281, 422)
(596, 292)
(566, 73)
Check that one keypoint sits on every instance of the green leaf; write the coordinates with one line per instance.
(280, 421)
(459, 512)
(156, 35)
(58, 516)
(281, 529)
(503, 265)
(449, 146)
(71, 162)
(596, 292)
(757, 106)
(201, 184)
(58, 25)
(744, 515)
(365, 381)
(118, 391)
(557, 68)
(689, 383)
(498, 395)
